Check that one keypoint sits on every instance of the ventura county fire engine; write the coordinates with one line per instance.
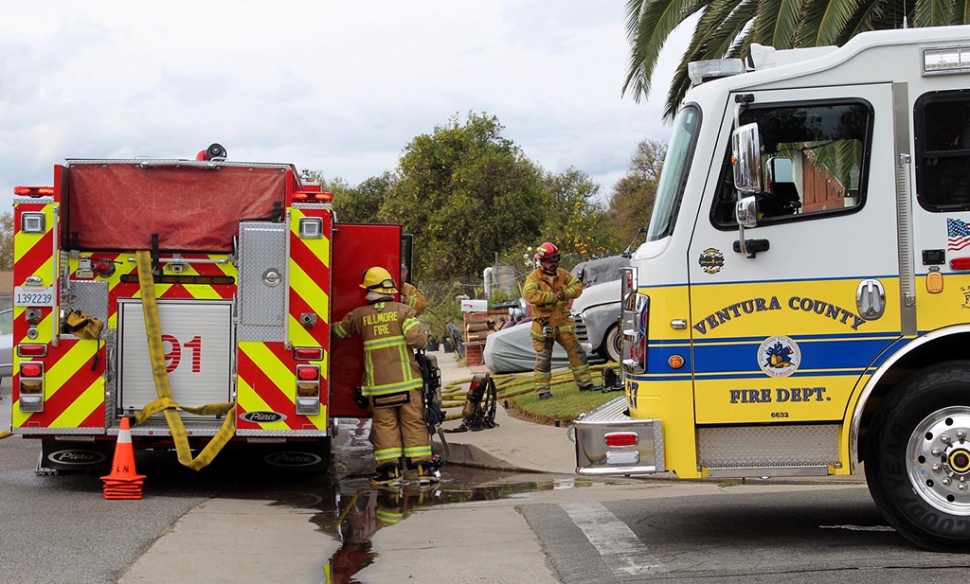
(801, 304)
(148, 286)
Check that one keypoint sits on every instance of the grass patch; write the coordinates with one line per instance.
(566, 405)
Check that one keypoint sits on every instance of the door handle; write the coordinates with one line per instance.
(752, 246)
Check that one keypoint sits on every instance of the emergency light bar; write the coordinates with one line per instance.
(946, 60)
(34, 191)
(313, 197)
(701, 71)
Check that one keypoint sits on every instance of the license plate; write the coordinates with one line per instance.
(33, 296)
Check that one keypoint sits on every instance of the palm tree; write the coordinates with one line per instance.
(727, 28)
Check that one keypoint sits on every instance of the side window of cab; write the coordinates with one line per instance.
(813, 162)
(942, 125)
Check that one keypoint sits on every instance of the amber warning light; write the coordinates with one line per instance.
(312, 197)
(34, 191)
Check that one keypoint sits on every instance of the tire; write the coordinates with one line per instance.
(612, 345)
(916, 490)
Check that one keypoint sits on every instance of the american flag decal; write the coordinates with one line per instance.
(957, 234)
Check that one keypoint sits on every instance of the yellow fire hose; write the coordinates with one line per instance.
(165, 403)
(453, 393)
(5, 434)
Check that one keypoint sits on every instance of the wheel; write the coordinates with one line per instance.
(612, 345)
(917, 458)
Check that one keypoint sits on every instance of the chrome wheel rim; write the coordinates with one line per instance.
(938, 460)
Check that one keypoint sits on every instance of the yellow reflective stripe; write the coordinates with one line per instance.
(409, 324)
(368, 370)
(387, 453)
(339, 329)
(385, 343)
(391, 387)
(405, 363)
(530, 286)
(412, 300)
(538, 336)
(417, 451)
(388, 517)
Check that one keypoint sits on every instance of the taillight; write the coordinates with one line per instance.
(619, 439)
(31, 369)
(31, 350)
(31, 387)
(308, 353)
(308, 390)
(307, 372)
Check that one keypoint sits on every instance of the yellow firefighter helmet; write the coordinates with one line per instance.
(377, 279)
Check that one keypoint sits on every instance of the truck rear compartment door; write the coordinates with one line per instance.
(199, 349)
(356, 247)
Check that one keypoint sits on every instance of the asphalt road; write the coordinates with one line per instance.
(226, 524)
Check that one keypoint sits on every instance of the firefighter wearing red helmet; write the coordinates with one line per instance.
(549, 289)
(392, 379)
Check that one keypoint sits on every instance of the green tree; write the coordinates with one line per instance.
(362, 204)
(633, 195)
(466, 193)
(6, 241)
(726, 28)
(574, 220)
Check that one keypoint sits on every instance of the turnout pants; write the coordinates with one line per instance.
(400, 430)
(543, 344)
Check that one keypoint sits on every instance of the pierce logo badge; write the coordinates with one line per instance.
(779, 356)
(291, 459)
(78, 457)
(262, 417)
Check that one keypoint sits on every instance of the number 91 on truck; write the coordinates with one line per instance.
(194, 297)
(801, 306)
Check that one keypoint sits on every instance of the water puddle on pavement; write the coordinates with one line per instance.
(352, 511)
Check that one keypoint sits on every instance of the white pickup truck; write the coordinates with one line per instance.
(597, 310)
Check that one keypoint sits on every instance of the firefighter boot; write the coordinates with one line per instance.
(387, 475)
(427, 473)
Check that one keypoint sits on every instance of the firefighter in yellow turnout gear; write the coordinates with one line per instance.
(392, 380)
(410, 295)
(549, 289)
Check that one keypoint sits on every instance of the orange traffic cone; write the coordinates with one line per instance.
(123, 482)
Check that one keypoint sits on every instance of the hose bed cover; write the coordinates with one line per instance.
(117, 207)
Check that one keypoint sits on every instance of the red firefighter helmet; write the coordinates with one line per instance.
(547, 251)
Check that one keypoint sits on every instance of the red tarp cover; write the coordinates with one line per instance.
(118, 206)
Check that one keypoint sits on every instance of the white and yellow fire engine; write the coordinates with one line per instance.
(193, 296)
(801, 304)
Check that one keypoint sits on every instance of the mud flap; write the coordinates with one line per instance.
(58, 456)
(302, 457)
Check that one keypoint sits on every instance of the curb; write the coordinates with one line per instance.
(472, 456)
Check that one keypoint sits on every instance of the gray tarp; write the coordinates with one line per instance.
(602, 270)
(510, 350)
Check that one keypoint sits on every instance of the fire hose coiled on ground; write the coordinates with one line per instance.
(507, 385)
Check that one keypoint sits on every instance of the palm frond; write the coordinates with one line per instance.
(715, 37)
(961, 12)
(933, 13)
(649, 24)
(776, 22)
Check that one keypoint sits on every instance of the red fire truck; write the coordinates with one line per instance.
(194, 297)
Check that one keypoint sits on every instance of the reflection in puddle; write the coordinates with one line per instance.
(352, 510)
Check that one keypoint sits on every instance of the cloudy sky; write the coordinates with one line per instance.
(331, 85)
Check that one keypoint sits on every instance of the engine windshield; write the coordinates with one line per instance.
(673, 178)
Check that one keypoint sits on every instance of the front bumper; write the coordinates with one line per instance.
(595, 457)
